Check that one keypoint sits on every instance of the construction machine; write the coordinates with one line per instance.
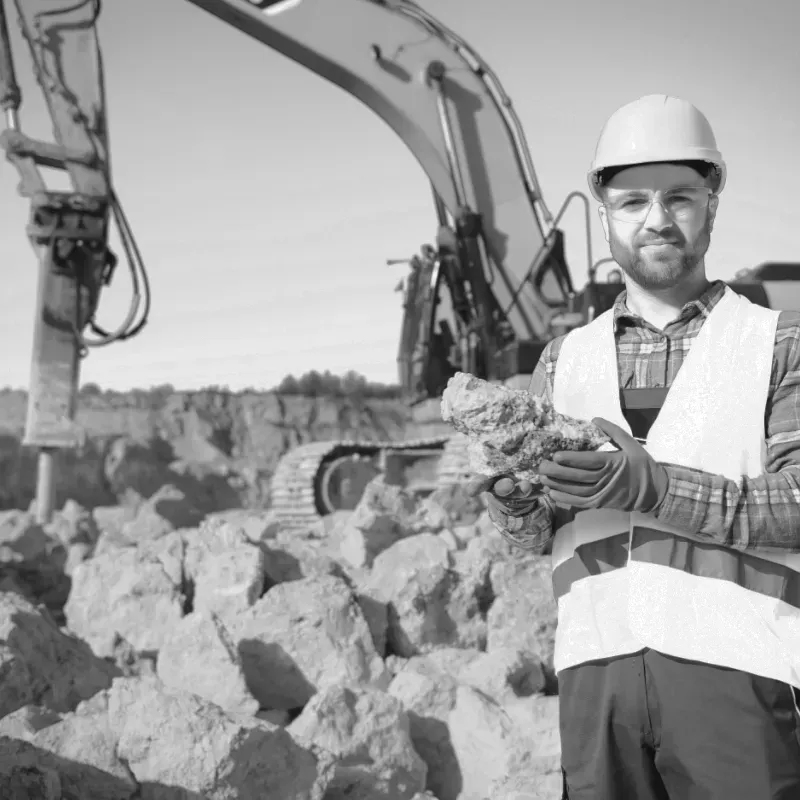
(485, 297)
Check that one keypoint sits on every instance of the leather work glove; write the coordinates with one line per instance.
(509, 496)
(628, 479)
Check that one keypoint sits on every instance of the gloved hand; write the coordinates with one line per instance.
(509, 496)
(628, 479)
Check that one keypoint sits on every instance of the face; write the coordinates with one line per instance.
(658, 252)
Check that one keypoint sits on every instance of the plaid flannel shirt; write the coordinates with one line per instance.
(744, 514)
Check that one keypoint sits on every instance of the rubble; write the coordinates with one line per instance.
(401, 651)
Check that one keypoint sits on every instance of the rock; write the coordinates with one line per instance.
(292, 558)
(511, 430)
(11, 583)
(367, 731)
(129, 662)
(325, 527)
(23, 774)
(444, 661)
(135, 592)
(82, 748)
(137, 464)
(491, 744)
(168, 509)
(504, 674)
(200, 656)
(73, 525)
(39, 664)
(33, 561)
(428, 700)
(27, 720)
(257, 525)
(177, 739)
(433, 600)
(524, 615)
(21, 539)
(460, 508)
(137, 738)
(304, 636)
(384, 515)
(464, 534)
(431, 517)
(111, 520)
(275, 716)
(376, 613)
(448, 537)
(533, 769)
(226, 568)
(481, 736)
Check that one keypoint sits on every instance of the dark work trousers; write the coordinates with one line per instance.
(653, 727)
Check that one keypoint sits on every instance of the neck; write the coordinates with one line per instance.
(659, 307)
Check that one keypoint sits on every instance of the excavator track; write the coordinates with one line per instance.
(300, 490)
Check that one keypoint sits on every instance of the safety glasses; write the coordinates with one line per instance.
(680, 203)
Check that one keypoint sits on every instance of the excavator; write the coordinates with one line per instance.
(485, 298)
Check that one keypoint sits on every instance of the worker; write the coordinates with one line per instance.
(675, 547)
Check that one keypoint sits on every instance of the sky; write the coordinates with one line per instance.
(266, 200)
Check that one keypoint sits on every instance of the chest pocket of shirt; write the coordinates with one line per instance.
(640, 407)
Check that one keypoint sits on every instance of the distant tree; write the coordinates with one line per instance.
(312, 384)
(90, 390)
(353, 383)
(159, 394)
(289, 385)
(325, 384)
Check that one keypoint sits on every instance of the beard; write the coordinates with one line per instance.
(663, 267)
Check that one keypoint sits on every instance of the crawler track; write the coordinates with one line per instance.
(297, 492)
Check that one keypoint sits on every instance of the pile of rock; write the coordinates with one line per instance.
(402, 651)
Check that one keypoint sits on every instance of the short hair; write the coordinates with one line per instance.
(707, 171)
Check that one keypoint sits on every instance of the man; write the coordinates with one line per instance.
(676, 551)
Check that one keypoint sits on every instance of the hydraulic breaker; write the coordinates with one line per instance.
(68, 230)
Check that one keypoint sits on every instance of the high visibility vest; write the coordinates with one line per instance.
(624, 582)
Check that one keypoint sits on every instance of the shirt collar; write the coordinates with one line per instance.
(703, 305)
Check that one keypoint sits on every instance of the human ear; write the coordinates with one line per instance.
(604, 221)
(713, 204)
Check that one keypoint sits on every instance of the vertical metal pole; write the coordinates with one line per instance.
(45, 486)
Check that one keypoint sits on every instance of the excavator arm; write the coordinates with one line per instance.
(450, 110)
(497, 240)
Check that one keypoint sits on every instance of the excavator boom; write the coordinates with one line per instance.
(446, 105)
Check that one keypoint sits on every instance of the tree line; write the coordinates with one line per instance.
(310, 384)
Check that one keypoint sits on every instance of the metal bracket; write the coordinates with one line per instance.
(71, 222)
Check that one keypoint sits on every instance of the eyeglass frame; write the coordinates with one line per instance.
(658, 197)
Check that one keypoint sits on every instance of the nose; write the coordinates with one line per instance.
(657, 217)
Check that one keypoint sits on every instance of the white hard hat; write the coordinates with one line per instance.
(656, 127)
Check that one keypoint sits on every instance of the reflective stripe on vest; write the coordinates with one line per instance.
(624, 582)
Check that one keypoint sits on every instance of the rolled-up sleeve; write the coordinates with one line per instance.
(751, 513)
